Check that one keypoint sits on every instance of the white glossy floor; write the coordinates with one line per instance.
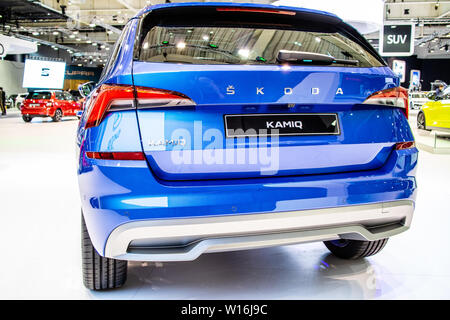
(40, 240)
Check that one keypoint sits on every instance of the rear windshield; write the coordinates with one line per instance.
(194, 43)
(41, 95)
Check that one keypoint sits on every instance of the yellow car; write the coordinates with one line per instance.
(435, 114)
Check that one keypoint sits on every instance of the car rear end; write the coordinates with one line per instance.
(228, 127)
(38, 104)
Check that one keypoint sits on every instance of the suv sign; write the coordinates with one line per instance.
(397, 40)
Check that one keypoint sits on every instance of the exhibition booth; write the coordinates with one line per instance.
(225, 150)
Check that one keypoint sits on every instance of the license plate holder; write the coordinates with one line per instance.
(291, 124)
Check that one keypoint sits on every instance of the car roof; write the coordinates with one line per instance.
(228, 4)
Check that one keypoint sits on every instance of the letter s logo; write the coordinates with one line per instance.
(45, 72)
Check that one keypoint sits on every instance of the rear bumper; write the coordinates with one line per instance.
(38, 112)
(123, 204)
(186, 239)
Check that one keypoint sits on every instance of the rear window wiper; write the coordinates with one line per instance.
(310, 58)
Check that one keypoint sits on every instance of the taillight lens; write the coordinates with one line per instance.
(395, 97)
(405, 145)
(116, 155)
(122, 97)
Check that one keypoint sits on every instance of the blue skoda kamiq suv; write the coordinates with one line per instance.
(220, 127)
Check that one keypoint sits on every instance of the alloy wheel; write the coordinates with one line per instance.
(421, 121)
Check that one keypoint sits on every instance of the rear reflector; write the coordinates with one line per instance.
(116, 155)
(256, 10)
(405, 145)
(122, 97)
(395, 97)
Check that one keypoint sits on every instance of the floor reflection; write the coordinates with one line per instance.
(291, 272)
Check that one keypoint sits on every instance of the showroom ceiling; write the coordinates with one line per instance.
(87, 29)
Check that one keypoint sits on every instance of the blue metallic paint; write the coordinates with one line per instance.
(116, 192)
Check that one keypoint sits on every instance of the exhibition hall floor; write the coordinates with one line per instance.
(40, 240)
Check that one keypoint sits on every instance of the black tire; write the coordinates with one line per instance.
(26, 118)
(58, 115)
(100, 273)
(421, 124)
(355, 249)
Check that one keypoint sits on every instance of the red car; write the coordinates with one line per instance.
(49, 103)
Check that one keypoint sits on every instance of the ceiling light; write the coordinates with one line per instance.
(78, 39)
(181, 45)
(35, 33)
(72, 36)
(206, 38)
(244, 53)
(55, 33)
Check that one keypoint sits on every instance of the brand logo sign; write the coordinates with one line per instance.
(231, 90)
(397, 40)
(45, 72)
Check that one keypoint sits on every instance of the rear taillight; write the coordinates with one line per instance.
(395, 97)
(107, 98)
(116, 155)
(405, 145)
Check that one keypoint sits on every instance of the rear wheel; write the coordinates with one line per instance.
(26, 118)
(421, 121)
(100, 273)
(355, 249)
(58, 115)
